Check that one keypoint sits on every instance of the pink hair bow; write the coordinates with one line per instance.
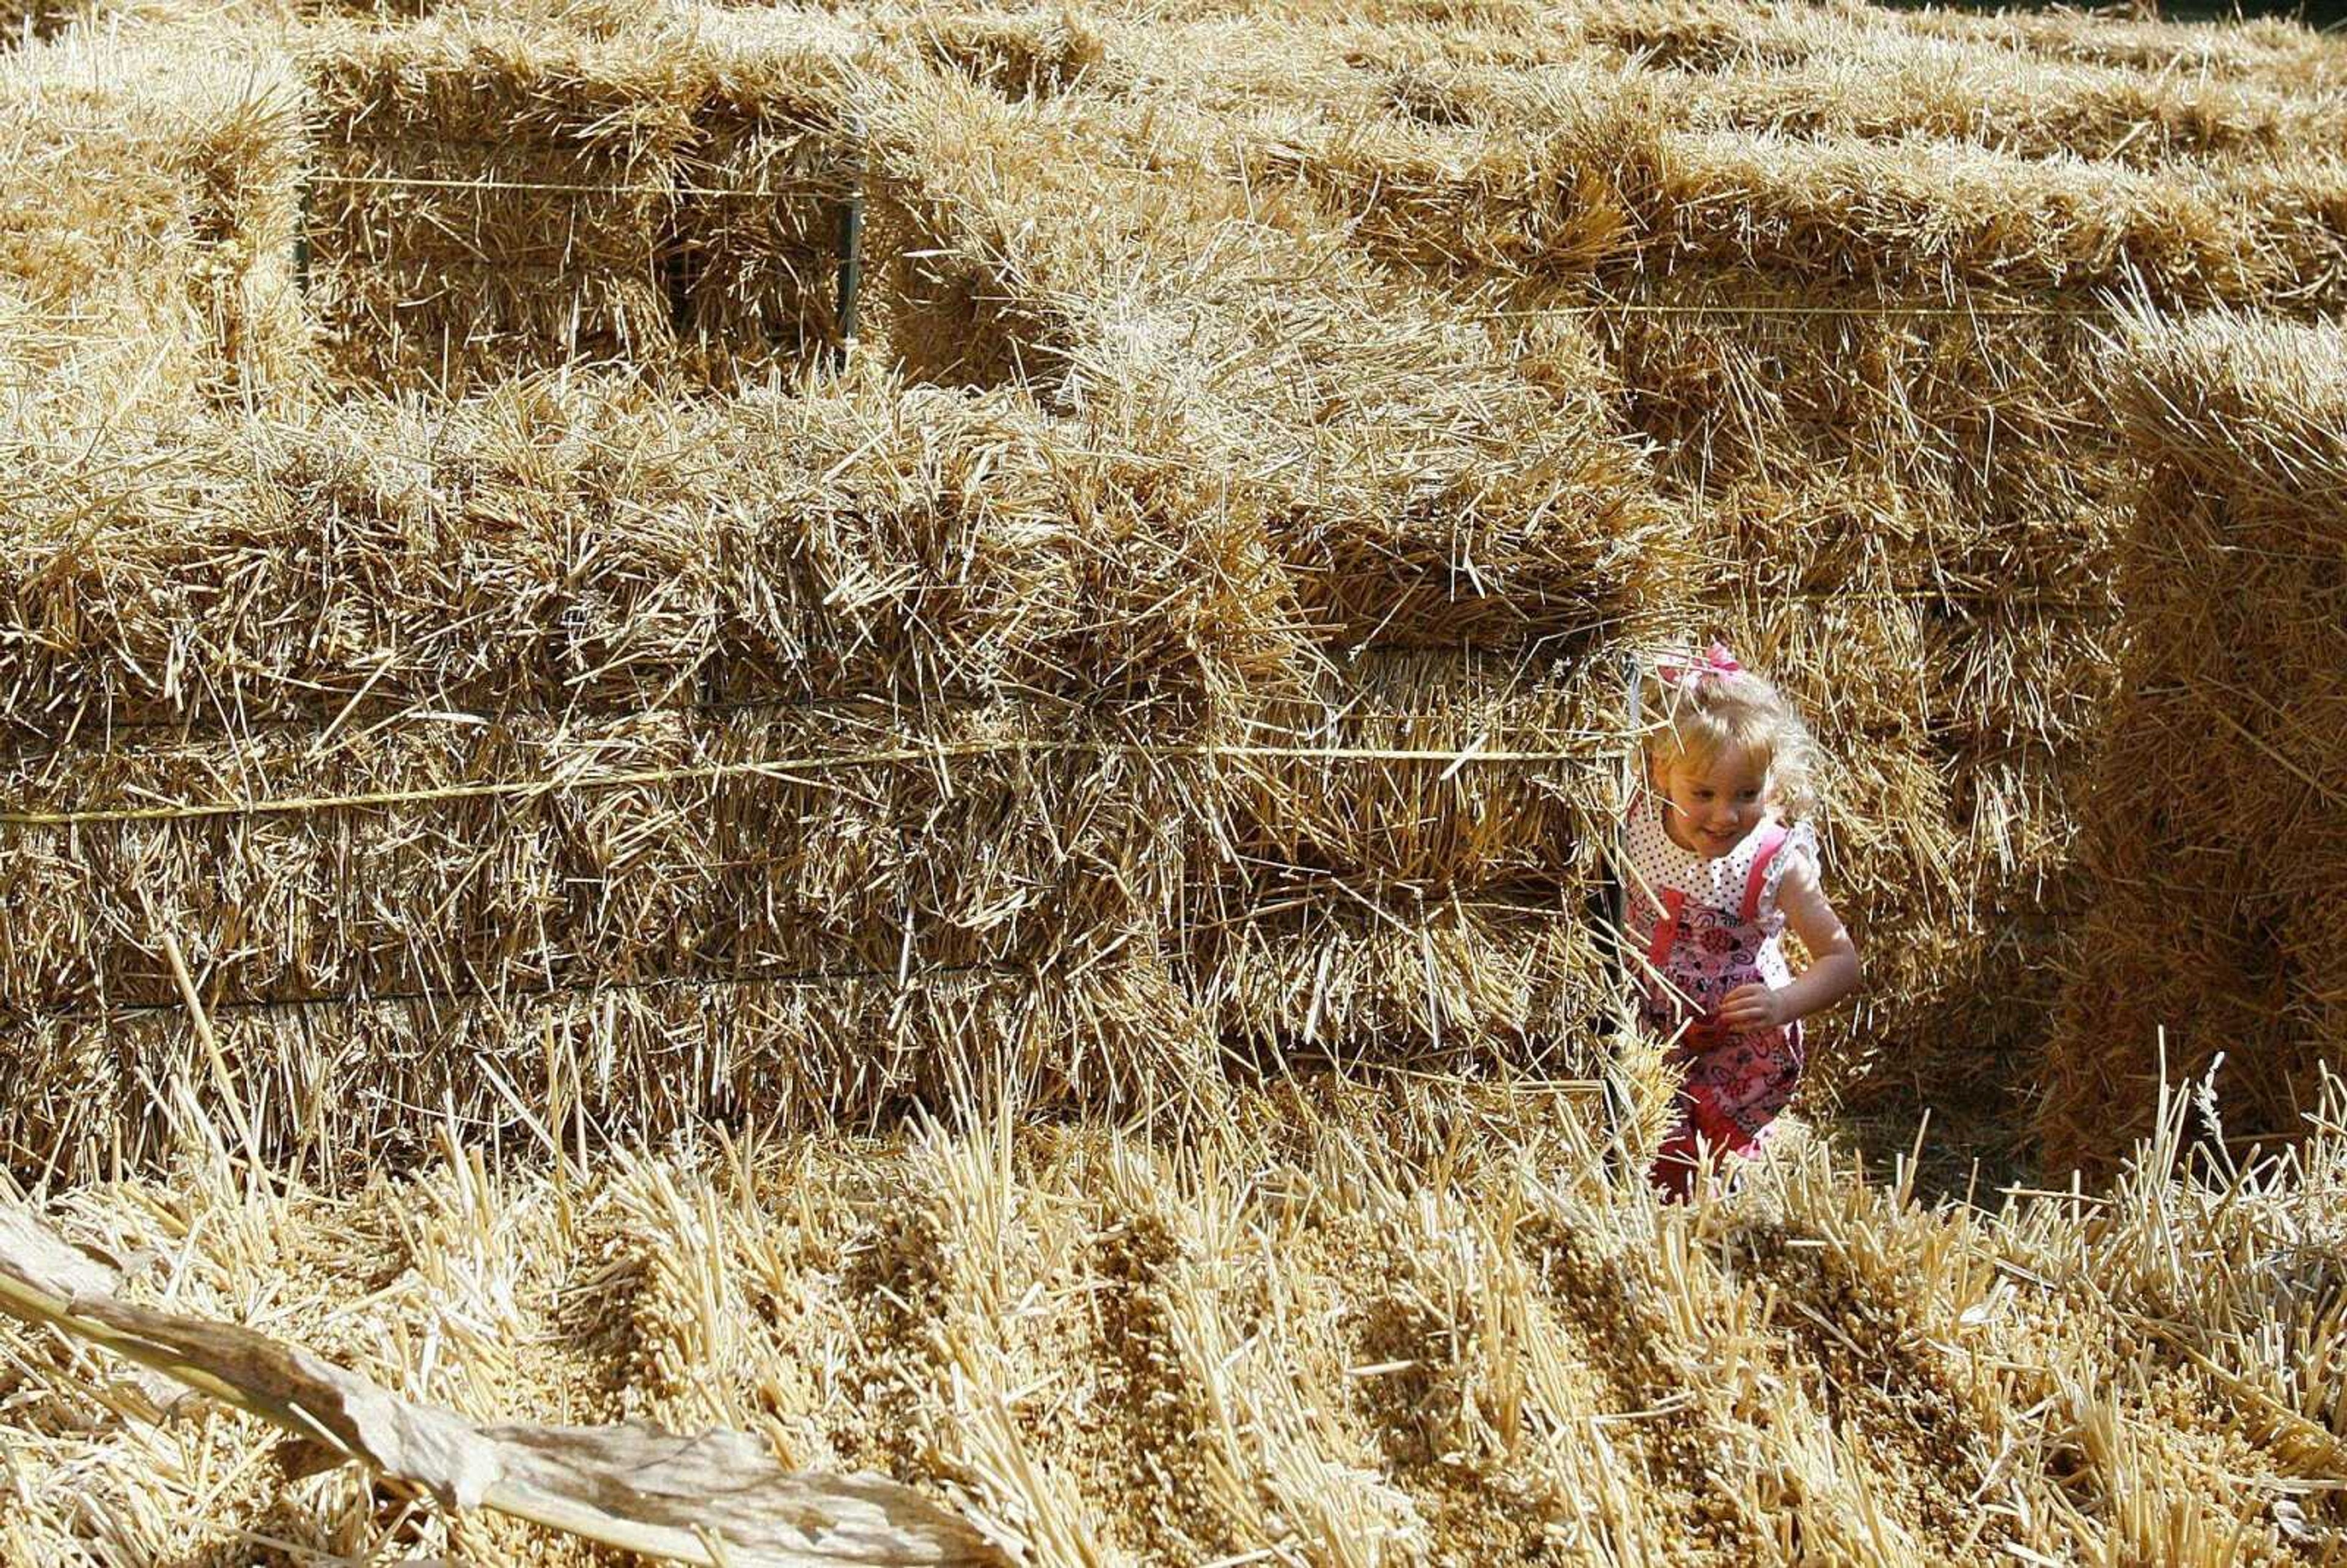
(1714, 662)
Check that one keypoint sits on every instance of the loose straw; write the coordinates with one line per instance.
(296, 806)
(224, 1080)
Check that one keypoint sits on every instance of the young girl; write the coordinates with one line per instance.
(1719, 862)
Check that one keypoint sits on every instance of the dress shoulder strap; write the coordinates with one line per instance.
(1772, 839)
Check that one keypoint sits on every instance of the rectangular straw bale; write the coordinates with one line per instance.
(941, 313)
(1903, 1031)
(751, 257)
(352, 1087)
(2017, 809)
(1423, 494)
(2189, 969)
(1832, 535)
(1939, 210)
(1853, 664)
(673, 192)
(1438, 198)
(2213, 835)
(2265, 49)
(490, 197)
(1435, 827)
(1885, 83)
(147, 244)
(1865, 79)
(1470, 485)
(1279, 62)
(675, 188)
(1969, 439)
(1455, 982)
(1850, 533)
(998, 854)
(1030, 56)
(1504, 545)
(1950, 1020)
(1910, 215)
(1708, 35)
(595, 548)
(2011, 673)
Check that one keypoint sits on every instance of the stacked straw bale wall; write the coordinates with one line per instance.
(578, 698)
(2217, 836)
(1157, 705)
(793, 757)
(1328, 403)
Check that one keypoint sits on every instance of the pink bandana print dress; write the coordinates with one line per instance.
(1706, 927)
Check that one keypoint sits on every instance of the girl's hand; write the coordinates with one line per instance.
(1750, 1008)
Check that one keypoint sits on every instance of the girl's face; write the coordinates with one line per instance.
(1709, 806)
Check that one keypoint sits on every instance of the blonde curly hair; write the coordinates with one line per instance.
(1699, 706)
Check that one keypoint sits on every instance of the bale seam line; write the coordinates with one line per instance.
(296, 806)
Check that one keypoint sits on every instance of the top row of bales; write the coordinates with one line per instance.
(513, 196)
(148, 242)
(301, 210)
(671, 187)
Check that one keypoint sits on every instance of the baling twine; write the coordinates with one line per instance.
(766, 768)
(775, 767)
(1599, 304)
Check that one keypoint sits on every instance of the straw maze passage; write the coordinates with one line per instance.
(678, 593)
(1863, 327)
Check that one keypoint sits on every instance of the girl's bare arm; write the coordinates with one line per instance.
(1833, 972)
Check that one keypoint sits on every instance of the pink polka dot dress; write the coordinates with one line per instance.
(1704, 927)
